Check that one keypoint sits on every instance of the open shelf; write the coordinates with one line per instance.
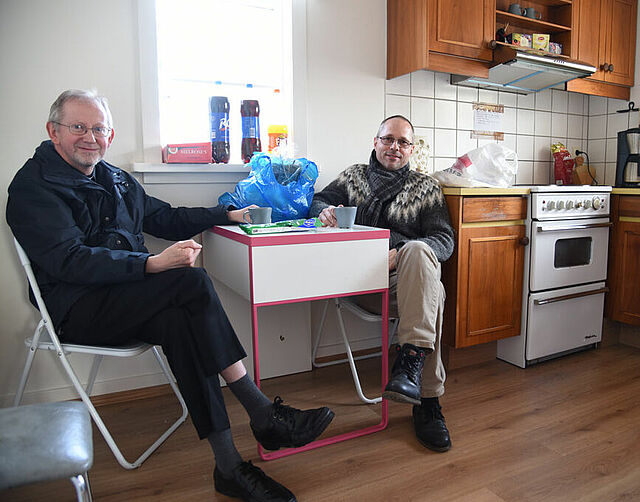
(530, 24)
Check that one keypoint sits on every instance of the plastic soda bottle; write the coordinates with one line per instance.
(219, 117)
(277, 138)
(250, 110)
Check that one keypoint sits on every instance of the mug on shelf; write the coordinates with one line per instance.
(514, 8)
(531, 13)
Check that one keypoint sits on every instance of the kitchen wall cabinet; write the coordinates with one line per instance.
(483, 279)
(606, 33)
(623, 300)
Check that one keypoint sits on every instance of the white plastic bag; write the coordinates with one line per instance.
(491, 165)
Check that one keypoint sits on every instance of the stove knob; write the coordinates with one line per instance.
(578, 204)
(587, 204)
(551, 205)
(560, 204)
(569, 204)
(596, 203)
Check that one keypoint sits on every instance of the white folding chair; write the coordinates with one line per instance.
(45, 337)
(351, 306)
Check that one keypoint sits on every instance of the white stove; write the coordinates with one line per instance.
(565, 270)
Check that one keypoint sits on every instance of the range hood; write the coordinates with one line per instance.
(523, 72)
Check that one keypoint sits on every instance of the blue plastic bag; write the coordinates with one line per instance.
(285, 185)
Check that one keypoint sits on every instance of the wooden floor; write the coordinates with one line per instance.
(564, 430)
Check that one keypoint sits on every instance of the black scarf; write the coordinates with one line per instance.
(385, 185)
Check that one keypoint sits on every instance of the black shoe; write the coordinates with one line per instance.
(406, 374)
(289, 427)
(428, 422)
(249, 483)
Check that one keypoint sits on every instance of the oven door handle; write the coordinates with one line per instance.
(542, 228)
(571, 297)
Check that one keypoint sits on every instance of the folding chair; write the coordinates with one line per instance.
(45, 337)
(350, 305)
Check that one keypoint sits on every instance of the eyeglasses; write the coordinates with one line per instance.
(81, 130)
(390, 140)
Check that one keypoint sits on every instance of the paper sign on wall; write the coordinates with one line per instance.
(487, 121)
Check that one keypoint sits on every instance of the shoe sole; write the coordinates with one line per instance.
(400, 398)
(322, 423)
(438, 449)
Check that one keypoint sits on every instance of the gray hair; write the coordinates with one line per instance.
(55, 113)
(396, 117)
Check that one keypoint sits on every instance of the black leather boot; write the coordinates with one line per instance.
(405, 383)
(429, 424)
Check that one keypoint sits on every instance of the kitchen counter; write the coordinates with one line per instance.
(516, 190)
(625, 191)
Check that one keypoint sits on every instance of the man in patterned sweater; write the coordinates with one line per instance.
(412, 206)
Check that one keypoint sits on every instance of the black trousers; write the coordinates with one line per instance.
(178, 310)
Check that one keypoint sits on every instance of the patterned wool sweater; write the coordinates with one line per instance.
(418, 212)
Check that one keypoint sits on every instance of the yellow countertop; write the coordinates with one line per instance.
(485, 191)
(625, 191)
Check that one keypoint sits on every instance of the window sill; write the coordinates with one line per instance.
(191, 173)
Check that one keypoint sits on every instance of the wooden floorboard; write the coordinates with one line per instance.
(563, 430)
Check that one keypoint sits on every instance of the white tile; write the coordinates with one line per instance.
(397, 105)
(465, 116)
(427, 135)
(443, 87)
(465, 143)
(559, 124)
(611, 150)
(524, 147)
(597, 105)
(597, 127)
(585, 123)
(613, 105)
(559, 101)
(509, 120)
(508, 99)
(610, 173)
(524, 176)
(616, 122)
(468, 94)
(541, 148)
(543, 100)
(542, 123)
(487, 96)
(444, 143)
(576, 103)
(525, 121)
(526, 101)
(573, 145)
(574, 126)
(422, 112)
(510, 141)
(422, 83)
(595, 149)
(445, 114)
(541, 173)
(399, 85)
(441, 163)
(598, 170)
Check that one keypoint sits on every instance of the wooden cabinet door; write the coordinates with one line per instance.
(591, 34)
(621, 42)
(491, 264)
(623, 299)
(462, 27)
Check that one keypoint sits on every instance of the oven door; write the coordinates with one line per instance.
(564, 319)
(569, 252)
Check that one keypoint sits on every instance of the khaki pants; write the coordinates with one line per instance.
(416, 296)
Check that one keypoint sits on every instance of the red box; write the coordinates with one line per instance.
(187, 153)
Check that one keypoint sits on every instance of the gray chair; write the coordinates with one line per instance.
(43, 442)
(45, 337)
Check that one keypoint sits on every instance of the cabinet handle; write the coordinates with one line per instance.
(611, 68)
(524, 241)
(604, 66)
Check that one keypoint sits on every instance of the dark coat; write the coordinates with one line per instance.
(80, 233)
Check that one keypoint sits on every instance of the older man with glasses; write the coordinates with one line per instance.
(81, 222)
(411, 205)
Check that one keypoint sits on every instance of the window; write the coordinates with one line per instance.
(241, 49)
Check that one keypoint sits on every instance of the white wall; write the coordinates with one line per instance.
(46, 47)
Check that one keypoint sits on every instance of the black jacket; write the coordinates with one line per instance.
(80, 233)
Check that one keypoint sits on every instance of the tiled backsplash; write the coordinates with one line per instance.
(442, 114)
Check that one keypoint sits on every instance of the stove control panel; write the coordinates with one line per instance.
(558, 206)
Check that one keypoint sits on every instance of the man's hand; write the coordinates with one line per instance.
(237, 214)
(328, 217)
(393, 255)
(178, 255)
